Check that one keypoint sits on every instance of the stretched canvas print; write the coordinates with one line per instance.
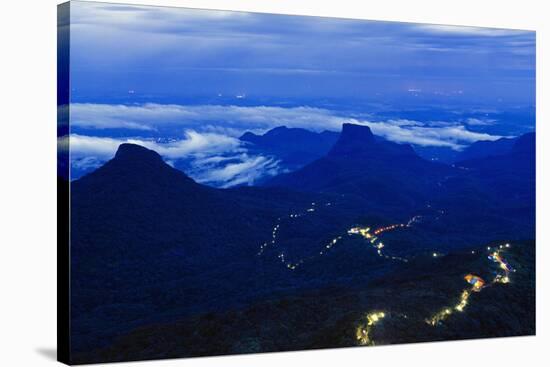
(233, 182)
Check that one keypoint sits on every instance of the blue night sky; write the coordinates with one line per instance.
(188, 83)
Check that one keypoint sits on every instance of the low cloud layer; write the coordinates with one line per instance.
(218, 120)
(192, 143)
(202, 140)
(447, 135)
(152, 116)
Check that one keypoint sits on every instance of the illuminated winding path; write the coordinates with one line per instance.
(274, 239)
(372, 238)
(477, 284)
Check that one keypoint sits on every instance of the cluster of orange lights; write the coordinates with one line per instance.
(388, 228)
(476, 282)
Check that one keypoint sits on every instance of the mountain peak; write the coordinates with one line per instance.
(134, 152)
(359, 141)
(133, 159)
(135, 163)
(353, 139)
(278, 128)
(248, 136)
(254, 138)
(356, 131)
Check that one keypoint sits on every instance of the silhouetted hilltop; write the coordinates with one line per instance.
(358, 140)
(486, 148)
(519, 158)
(135, 165)
(384, 173)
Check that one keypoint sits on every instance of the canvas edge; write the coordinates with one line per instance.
(63, 184)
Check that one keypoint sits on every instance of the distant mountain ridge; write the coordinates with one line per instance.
(486, 148)
(294, 147)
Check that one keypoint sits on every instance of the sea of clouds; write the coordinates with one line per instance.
(203, 140)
